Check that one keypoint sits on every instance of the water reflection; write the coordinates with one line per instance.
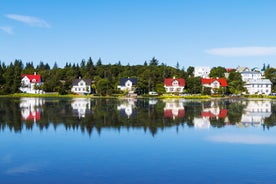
(127, 107)
(31, 108)
(174, 109)
(148, 114)
(81, 106)
(255, 113)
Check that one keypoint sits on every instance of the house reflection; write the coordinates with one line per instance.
(31, 108)
(174, 109)
(213, 111)
(255, 113)
(153, 101)
(127, 107)
(81, 107)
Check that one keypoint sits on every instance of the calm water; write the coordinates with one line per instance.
(137, 141)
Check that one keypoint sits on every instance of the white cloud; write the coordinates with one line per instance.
(242, 51)
(7, 29)
(31, 21)
(243, 139)
(24, 169)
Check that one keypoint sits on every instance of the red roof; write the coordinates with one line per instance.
(168, 113)
(222, 114)
(33, 116)
(221, 81)
(32, 78)
(169, 81)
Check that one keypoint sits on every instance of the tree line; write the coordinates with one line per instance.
(106, 77)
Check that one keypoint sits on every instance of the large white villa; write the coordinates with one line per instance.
(255, 83)
(202, 71)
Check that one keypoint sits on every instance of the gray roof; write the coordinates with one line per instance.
(260, 81)
(87, 81)
(124, 80)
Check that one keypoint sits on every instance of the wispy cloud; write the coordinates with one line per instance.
(31, 21)
(7, 29)
(24, 169)
(242, 51)
(243, 139)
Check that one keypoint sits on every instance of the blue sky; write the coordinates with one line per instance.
(212, 33)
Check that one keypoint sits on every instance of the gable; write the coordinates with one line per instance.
(222, 82)
(84, 82)
(31, 78)
(174, 82)
(123, 81)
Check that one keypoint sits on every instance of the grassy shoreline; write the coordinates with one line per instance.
(21, 95)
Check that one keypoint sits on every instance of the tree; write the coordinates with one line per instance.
(103, 87)
(270, 73)
(235, 83)
(190, 71)
(194, 85)
(177, 65)
(99, 62)
(218, 72)
(154, 62)
(160, 88)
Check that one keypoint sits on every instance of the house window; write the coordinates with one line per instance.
(76, 89)
(81, 84)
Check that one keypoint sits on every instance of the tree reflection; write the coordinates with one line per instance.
(93, 115)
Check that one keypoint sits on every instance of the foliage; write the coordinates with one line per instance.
(105, 77)
(217, 72)
(235, 83)
(194, 85)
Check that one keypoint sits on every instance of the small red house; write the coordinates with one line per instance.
(29, 83)
(214, 83)
(173, 85)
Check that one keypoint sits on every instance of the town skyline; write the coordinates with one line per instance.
(196, 33)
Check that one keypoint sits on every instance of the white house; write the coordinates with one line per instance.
(250, 75)
(261, 86)
(202, 71)
(214, 83)
(81, 86)
(255, 83)
(30, 83)
(173, 85)
(128, 84)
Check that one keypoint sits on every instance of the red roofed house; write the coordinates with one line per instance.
(214, 83)
(173, 85)
(29, 83)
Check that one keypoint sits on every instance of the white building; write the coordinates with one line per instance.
(255, 83)
(249, 75)
(30, 83)
(202, 71)
(261, 86)
(81, 86)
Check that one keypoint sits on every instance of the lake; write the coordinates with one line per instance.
(56, 140)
